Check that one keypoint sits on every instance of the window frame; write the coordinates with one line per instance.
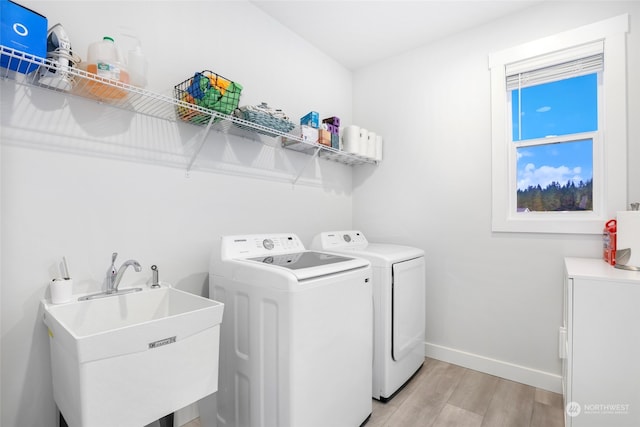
(609, 142)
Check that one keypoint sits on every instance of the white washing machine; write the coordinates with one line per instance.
(296, 341)
(399, 306)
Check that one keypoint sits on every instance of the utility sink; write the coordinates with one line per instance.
(130, 359)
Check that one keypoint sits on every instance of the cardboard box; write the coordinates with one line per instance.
(335, 141)
(312, 119)
(309, 134)
(23, 30)
(332, 121)
(324, 137)
(331, 128)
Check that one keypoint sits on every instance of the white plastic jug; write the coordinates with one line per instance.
(136, 61)
(104, 60)
(137, 65)
(104, 54)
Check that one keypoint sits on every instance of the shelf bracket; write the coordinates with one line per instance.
(311, 159)
(205, 132)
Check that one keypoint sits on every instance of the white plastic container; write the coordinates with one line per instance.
(61, 290)
(136, 61)
(105, 55)
(137, 66)
(103, 59)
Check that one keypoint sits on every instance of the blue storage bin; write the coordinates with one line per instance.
(22, 30)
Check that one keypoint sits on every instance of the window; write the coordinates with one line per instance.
(554, 125)
(559, 150)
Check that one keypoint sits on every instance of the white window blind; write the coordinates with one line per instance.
(577, 61)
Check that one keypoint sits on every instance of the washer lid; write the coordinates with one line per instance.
(384, 255)
(300, 260)
(310, 264)
(353, 243)
(381, 254)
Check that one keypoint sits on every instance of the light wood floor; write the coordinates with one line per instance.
(442, 394)
(446, 395)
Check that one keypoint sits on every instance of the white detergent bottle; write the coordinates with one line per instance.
(136, 64)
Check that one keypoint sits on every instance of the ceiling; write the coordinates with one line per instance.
(357, 33)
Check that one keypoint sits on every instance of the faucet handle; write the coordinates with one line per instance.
(111, 273)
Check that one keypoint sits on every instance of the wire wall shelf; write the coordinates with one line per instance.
(79, 82)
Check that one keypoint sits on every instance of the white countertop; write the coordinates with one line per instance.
(598, 269)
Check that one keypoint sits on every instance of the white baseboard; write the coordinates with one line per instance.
(186, 414)
(499, 368)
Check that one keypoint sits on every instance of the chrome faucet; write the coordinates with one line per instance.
(114, 276)
(112, 280)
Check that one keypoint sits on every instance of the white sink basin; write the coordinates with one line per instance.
(130, 359)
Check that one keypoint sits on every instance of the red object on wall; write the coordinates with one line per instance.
(609, 241)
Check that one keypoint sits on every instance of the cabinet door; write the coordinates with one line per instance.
(605, 374)
(565, 347)
(408, 293)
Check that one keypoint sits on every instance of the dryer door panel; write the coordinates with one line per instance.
(408, 307)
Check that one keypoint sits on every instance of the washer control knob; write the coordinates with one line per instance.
(346, 238)
(268, 244)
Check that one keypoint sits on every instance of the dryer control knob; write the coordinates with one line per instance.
(346, 238)
(268, 244)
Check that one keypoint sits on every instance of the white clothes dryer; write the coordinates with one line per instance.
(296, 340)
(399, 306)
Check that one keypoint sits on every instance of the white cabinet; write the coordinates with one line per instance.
(601, 365)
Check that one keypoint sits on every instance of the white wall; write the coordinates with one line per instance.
(82, 180)
(493, 300)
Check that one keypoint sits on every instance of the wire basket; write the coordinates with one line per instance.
(275, 120)
(207, 90)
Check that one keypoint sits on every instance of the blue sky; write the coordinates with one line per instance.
(552, 109)
(544, 164)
